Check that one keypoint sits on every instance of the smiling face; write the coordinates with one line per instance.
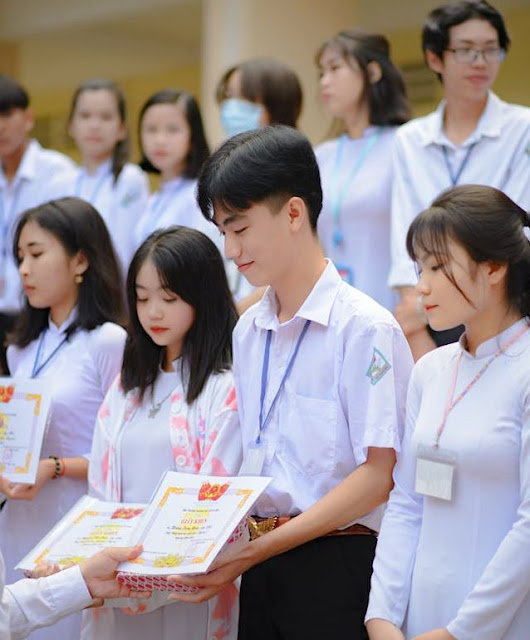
(258, 241)
(164, 316)
(448, 304)
(96, 124)
(48, 273)
(342, 84)
(166, 138)
(470, 81)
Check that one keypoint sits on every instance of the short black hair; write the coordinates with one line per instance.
(12, 95)
(265, 165)
(79, 228)
(189, 264)
(199, 149)
(435, 35)
(268, 82)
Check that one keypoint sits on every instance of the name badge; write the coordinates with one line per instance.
(435, 472)
(253, 461)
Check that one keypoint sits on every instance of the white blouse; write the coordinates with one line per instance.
(364, 203)
(79, 376)
(463, 564)
(121, 203)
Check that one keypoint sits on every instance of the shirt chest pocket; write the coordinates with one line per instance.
(308, 439)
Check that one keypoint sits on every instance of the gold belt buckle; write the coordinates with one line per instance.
(259, 528)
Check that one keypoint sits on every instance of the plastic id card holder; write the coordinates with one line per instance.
(253, 461)
(435, 472)
(345, 272)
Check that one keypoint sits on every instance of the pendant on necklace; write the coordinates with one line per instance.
(154, 410)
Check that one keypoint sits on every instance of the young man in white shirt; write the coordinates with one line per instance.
(473, 137)
(29, 604)
(29, 176)
(321, 372)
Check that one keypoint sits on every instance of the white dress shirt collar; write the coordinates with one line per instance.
(316, 307)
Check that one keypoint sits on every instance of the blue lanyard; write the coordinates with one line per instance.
(264, 371)
(338, 192)
(456, 177)
(97, 188)
(159, 199)
(37, 366)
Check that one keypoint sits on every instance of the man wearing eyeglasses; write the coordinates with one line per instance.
(473, 137)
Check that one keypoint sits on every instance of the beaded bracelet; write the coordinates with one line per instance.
(59, 468)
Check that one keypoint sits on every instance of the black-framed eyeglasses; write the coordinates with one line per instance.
(467, 55)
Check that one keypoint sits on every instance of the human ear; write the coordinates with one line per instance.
(375, 73)
(434, 62)
(496, 272)
(81, 263)
(297, 211)
(29, 116)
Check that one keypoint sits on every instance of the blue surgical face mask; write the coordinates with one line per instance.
(238, 116)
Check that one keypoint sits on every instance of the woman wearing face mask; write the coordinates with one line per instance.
(256, 93)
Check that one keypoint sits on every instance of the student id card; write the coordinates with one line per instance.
(253, 461)
(435, 472)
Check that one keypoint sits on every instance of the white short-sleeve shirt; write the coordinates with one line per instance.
(500, 158)
(345, 391)
(39, 178)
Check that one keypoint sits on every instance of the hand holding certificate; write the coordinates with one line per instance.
(24, 406)
(189, 521)
(90, 526)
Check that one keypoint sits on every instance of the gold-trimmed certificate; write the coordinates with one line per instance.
(90, 526)
(24, 407)
(189, 520)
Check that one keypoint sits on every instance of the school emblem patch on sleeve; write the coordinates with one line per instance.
(378, 367)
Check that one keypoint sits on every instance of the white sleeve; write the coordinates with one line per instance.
(398, 538)
(517, 186)
(405, 207)
(107, 343)
(32, 604)
(489, 609)
(373, 388)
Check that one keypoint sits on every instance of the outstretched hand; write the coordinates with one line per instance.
(20, 491)
(99, 573)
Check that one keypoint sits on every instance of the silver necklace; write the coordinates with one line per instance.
(155, 406)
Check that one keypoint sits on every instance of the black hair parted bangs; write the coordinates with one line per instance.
(267, 165)
(12, 95)
(80, 229)
(189, 264)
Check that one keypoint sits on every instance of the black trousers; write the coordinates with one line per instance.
(318, 591)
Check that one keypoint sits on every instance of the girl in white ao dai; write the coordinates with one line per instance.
(172, 406)
(67, 334)
(365, 94)
(453, 559)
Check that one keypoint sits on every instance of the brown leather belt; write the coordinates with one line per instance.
(260, 526)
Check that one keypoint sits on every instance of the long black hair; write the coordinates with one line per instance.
(189, 264)
(488, 225)
(199, 149)
(80, 229)
(120, 154)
